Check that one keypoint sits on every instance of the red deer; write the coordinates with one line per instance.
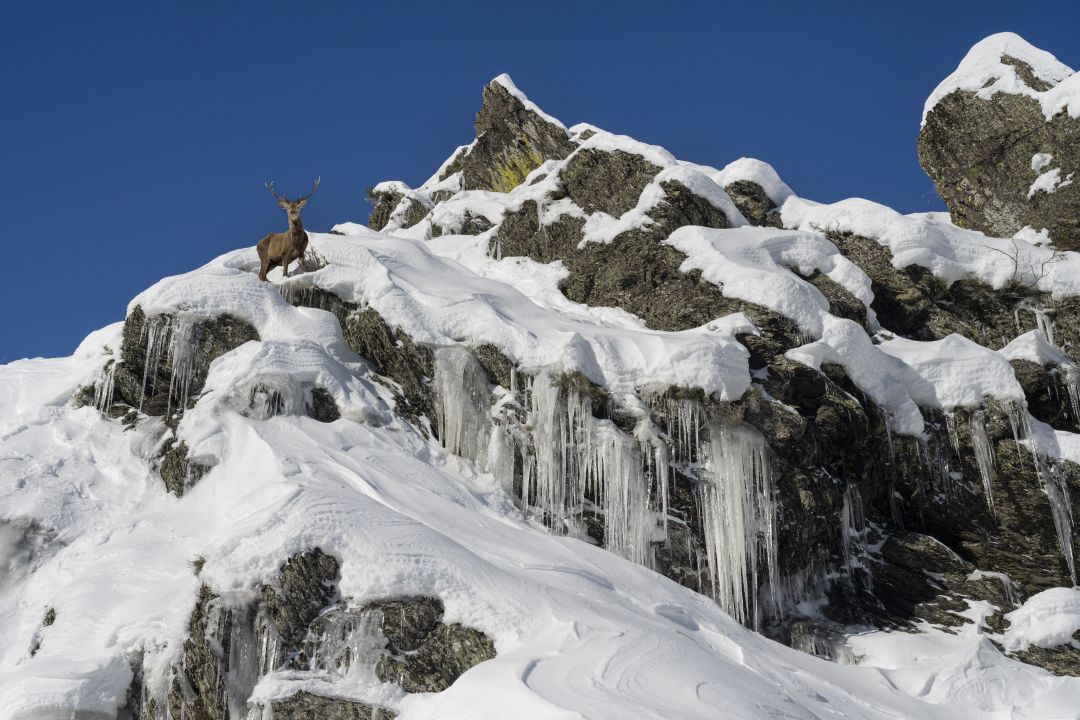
(282, 248)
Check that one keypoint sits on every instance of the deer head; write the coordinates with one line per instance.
(293, 207)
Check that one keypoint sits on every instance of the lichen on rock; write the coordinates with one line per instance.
(512, 140)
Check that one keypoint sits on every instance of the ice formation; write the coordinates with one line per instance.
(984, 455)
(464, 412)
(1054, 485)
(738, 509)
(170, 340)
(853, 536)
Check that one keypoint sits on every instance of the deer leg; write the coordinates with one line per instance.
(303, 268)
(285, 266)
(264, 267)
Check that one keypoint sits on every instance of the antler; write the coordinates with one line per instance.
(270, 187)
(312, 189)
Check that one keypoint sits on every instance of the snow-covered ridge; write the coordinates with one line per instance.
(983, 72)
(437, 301)
(730, 258)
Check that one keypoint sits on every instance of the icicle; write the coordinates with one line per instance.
(182, 354)
(613, 474)
(156, 330)
(243, 661)
(349, 646)
(1055, 487)
(557, 417)
(173, 341)
(984, 456)
(1045, 324)
(935, 462)
(576, 458)
(464, 404)
(662, 472)
(853, 535)
(886, 420)
(500, 456)
(103, 392)
(1071, 378)
(738, 508)
(954, 438)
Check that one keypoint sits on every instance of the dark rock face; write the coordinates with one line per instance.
(177, 470)
(385, 202)
(306, 706)
(170, 387)
(1047, 394)
(322, 406)
(979, 154)
(396, 356)
(307, 584)
(511, 142)
(910, 301)
(752, 201)
(610, 182)
(635, 271)
(470, 225)
(424, 654)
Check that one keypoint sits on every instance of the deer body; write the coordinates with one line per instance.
(281, 249)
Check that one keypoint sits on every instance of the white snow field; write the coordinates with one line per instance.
(88, 530)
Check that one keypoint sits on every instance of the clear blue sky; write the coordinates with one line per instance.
(136, 137)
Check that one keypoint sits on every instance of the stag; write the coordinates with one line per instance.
(282, 248)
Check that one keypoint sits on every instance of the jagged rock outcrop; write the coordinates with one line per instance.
(512, 140)
(385, 197)
(998, 160)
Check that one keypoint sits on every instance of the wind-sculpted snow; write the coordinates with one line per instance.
(753, 264)
(1047, 619)
(955, 372)
(438, 301)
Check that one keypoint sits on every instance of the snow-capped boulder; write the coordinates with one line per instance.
(1001, 140)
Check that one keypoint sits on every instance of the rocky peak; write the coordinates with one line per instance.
(513, 138)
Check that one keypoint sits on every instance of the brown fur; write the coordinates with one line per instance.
(281, 249)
